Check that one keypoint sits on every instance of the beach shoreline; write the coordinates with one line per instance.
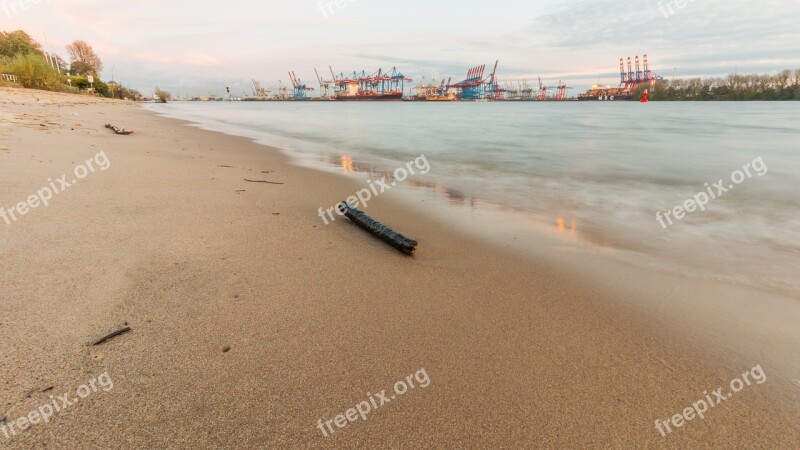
(173, 242)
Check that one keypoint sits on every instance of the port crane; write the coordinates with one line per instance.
(542, 90)
(324, 86)
(494, 92)
(526, 92)
(518, 90)
(300, 89)
(561, 93)
(631, 78)
(283, 91)
(513, 90)
(379, 83)
(476, 87)
(336, 86)
(259, 91)
(444, 89)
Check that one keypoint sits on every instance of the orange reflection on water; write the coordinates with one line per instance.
(562, 225)
(347, 163)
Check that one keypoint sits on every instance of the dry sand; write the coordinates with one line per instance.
(520, 353)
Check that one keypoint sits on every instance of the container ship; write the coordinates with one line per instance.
(608, 94)
(370, 88)
(433, 93)
(368, 96)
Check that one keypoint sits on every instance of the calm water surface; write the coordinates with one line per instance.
(600, 171)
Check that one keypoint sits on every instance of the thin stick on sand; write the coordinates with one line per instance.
(111, 335)
(261, 181)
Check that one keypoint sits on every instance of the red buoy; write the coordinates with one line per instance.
(644, 97)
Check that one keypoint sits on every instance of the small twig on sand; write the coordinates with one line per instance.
(111, 335)
(261, 181)
(220, 165)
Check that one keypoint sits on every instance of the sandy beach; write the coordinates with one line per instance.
(251, 320)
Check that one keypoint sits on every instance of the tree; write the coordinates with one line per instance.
(162, 95)
(131, 94)
(784, 85)
(18, 43)
(782, 79)
(83, 59)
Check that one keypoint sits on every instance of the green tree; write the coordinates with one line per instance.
(783, 85)
(18, 43)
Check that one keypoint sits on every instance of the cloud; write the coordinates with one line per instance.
(199, 45)
(703, 29)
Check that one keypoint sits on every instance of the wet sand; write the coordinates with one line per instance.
(170, 240)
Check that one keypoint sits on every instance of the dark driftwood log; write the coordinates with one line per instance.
(111, 335)
(118, 130)
(381, 231)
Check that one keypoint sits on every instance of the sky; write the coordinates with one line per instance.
(198, 47)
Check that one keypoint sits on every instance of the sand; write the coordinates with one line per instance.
(252, 320)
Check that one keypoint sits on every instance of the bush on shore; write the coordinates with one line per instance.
(163, 95)
(33, 71)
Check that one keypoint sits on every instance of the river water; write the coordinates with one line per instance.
(598, 172)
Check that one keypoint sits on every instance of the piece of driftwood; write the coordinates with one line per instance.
(119, 130)
(379, 230)
(111, 335)
(261, 181)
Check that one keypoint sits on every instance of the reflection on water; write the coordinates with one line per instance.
(454, 196)
(350, 166)
(560, 224)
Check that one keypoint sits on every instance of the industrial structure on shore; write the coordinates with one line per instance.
(378, 86)
(628, 81)
(477, 86)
